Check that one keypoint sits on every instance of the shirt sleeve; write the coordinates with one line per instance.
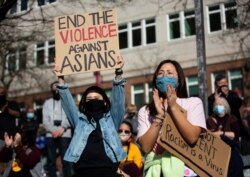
(117, 110)
(68, 104)
(143, 122)
(46, 117)
(195, 112)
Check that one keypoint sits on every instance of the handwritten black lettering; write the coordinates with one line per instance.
(66, 63)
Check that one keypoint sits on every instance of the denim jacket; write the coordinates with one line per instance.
(82, 128)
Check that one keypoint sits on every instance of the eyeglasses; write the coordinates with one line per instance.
(162, 73)
(125, 131)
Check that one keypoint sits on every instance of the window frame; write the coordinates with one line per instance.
(181, 19)
(194, 83)
(146, 91)
(45, 48)
(46, 3)
(16, 56)
(143, 26)
(222, 11)
(18, 7)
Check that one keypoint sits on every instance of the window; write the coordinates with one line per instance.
(235, 81)
(192, 86)
(223, 16)
(24, 5)
(139, 33)
(51, 51)
(136, 34)
(174, 26)
(138, 95)
(123, 36)
(45, 53)
(16, 60)
(40, 54)
(181, 25)
(231, 17)
(19, 6)
(22, 59)
(189, 23)
(44, 2)
(11, 60)
(141, 94)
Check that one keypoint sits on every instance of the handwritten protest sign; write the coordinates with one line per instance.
(86, 42)
(208, 157)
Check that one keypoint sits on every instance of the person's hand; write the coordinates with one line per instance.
(17, 140)
(56, 70)
(217, 94)
(60, 131)
(120, 62)
(8, 139)
(171, 95)
(158, 102)
(55, 134)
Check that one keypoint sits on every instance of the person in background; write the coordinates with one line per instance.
(21, 151)
(222, 122)
(222, 90)
(9, 111)
(9, 114)
(29, 119)
(245, 119)
(132, 164)
(169, 97)
(95, 148)
(58, 134)
(131, 115)
(226, 126)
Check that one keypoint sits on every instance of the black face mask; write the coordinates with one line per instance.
(2, 100)
(95, 108)
(56, 95)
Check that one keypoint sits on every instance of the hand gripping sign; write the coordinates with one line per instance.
(86, 42)
(208, 157)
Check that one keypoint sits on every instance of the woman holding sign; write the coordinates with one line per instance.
(169, 98)
(95, 148)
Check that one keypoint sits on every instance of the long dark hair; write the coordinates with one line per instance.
(181, 89)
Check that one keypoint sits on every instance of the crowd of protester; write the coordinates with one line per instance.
(79, 141)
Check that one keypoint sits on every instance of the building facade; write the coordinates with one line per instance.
(149, 31)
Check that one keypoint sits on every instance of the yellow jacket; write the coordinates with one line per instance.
(134, 155)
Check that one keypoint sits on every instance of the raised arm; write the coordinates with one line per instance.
(68, 103)
(118, 97)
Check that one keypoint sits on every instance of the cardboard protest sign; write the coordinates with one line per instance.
(86, 42)
(208, 157)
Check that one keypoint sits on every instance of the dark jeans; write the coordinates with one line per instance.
(52, 145)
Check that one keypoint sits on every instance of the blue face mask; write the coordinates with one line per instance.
(219, 110)
(163, 82)
(30, 115)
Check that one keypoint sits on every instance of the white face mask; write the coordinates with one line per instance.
(124, 137)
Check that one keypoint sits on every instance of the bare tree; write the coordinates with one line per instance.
(28, 27)
(32, 25)
(5, 5)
